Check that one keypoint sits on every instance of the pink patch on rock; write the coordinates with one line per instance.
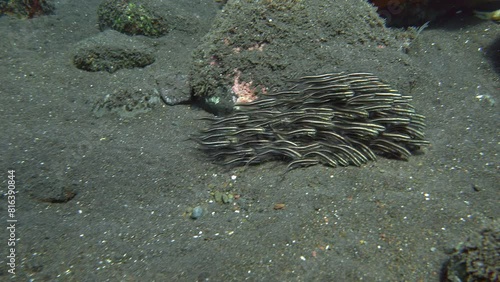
(244, 91)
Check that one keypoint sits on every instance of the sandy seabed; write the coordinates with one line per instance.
(130, 182)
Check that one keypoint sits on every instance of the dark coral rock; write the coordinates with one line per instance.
(26, 8)
(478, 259)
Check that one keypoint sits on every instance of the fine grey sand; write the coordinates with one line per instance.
(108, 197)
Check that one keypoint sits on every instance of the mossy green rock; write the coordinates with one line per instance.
(130, 17)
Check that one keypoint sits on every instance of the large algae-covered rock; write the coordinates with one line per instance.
(256, 46)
